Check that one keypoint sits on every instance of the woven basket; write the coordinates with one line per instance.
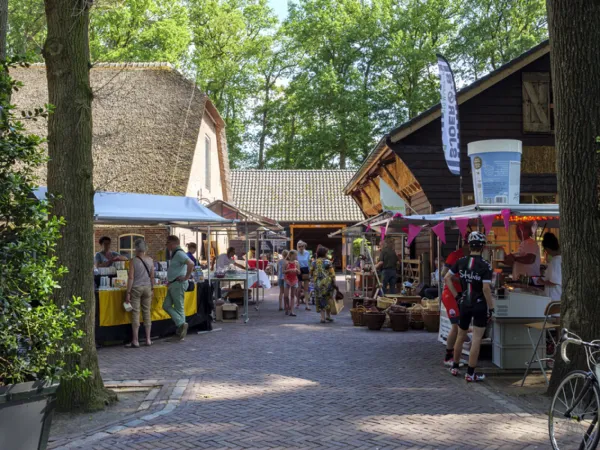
(373, 320)
(384, 302)
(431, 320)
(417, 324)
(400, 321)
(357, 316)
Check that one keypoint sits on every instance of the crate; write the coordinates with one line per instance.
(521, 304)
(513, 334)
(231, 312)
(515, 357)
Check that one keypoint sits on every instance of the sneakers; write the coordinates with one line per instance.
(454, 372)
(450, 363)
(182, 334)
(476, 377)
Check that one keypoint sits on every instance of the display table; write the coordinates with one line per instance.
(113, 323)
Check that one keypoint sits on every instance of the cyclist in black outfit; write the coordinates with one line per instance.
(475, 302)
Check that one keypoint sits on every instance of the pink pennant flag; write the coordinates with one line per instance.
(369, 227)
(382, 233)
(506, 216)
(413, 232)
(440, 231)
(488, 220)
(462, 225)
(397, 215)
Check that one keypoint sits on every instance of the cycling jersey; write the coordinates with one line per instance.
(473, 271)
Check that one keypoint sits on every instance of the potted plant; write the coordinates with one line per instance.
(36, 336)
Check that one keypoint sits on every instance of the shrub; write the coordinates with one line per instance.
(36, 336)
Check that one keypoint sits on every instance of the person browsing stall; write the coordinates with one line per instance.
(192, 248)
(224, 260)
(526, 262)
(303, 257)
(140, 289)
(476, 302)
(178, 274)
(553, 277)
(106, 257)
(388, 261)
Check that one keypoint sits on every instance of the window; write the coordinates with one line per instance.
(207, 161)
(537, 103)
(127, 244)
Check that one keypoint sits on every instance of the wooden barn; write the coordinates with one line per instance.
(513, 102)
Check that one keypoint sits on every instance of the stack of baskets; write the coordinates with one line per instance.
(358, 316)
(431, 315)
(385, 303)
(399, 318)
(416, 317)
(374, 320)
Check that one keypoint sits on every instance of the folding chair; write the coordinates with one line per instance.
(545, 328)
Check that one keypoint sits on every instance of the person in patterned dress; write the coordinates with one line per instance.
(322, 274)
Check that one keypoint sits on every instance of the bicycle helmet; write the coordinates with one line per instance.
(477, 239)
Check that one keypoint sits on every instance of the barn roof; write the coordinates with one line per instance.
(313, 196)
(146, 119)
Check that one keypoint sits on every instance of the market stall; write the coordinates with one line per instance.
(113, 323)
(518, 301)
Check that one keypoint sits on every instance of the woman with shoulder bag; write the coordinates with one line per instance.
(140, 288)
(326, 290)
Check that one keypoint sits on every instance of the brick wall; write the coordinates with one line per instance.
(155, 238)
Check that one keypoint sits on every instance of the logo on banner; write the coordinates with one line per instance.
(450, 128)
(390, 201)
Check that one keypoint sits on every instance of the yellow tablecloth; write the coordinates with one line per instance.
(111, 311)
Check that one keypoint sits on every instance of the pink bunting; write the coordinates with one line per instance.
(440, 231)
(397, 215)
(382, 233)
(413, 232)
(506, 216)
(462, 225)
(488, 220)
(369, 227)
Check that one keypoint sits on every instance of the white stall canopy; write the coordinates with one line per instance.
(144, 209)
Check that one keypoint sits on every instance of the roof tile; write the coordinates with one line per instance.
(296, 195)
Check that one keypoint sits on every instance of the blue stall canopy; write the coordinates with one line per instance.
(122, 208)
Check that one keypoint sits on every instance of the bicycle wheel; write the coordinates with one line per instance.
(578, 430)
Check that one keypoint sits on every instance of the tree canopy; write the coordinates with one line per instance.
(318, 89)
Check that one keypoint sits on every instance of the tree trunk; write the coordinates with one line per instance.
(264, 126)
(70, 173)
(290, 144)
(575, 58)
(3, 27)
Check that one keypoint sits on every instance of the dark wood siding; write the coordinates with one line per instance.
(496, 113)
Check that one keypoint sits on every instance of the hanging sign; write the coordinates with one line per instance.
(390, 201)
(450, 128)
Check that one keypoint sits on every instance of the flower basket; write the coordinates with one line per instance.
(431, 321)
(374, 320)
(357, 316)
(400, 321)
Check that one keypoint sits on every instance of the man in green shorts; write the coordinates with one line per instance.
(178, 274)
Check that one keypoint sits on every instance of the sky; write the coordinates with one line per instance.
(280, 7)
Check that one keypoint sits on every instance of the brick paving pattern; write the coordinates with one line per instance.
(291, 383)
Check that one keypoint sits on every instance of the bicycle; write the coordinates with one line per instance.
(573, 415)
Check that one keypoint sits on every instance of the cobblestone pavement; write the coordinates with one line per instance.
(279, 382)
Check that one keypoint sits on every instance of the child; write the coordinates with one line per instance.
(291, 271)
(280, 269)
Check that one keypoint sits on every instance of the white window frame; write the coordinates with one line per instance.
(207, 161)
(129, 252)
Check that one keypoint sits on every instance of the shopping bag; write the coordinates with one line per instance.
(336, 306)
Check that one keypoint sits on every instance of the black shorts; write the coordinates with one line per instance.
(304, 271)
(477, 312)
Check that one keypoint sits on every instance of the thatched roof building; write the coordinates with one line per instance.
(155, 132)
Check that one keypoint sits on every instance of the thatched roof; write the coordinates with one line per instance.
(309, 196)
(147, 118)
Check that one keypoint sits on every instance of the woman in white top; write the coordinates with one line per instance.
(526, 262)
(140, 289)
(553, 277)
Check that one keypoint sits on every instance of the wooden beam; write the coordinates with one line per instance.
(392, 177)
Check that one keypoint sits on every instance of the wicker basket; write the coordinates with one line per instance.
(431, 320)
(385, 303)
(417, 324)
(400, 321)
(357, 316)
(374, 320)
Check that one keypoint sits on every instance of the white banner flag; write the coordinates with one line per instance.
(450, 128)
(390, 201)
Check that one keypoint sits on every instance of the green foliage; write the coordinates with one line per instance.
(36, 336)
(357, 246)
(319, 89)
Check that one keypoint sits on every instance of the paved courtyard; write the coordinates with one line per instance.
(291, 383)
